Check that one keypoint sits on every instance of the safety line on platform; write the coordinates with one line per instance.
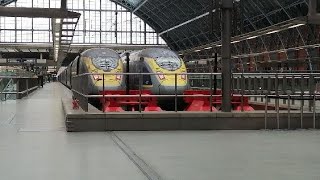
(150, 173)
(12, 118)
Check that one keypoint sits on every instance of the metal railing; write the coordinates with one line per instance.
(21, 86)
(268, 87)
(82, 94)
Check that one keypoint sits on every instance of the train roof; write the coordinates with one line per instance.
(157, 52)
(97, 52)
(61, 69)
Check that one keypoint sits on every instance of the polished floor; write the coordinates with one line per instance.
(34, 145)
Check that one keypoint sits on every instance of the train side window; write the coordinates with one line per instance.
(78, 64)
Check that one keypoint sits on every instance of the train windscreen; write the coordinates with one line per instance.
(169, 63)
(105, 63)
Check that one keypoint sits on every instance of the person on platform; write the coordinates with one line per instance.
(40, 79)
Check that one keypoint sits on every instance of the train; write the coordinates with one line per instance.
(164, 63)
(98, 61)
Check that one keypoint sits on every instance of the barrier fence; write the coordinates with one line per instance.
(20, 86)
(293, 88)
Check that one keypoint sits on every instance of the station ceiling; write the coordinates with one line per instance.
(185, 25)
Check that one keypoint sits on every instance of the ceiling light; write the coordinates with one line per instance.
(219, 45)
(57, 38)
(294, 26)
(271, 32)
(208, 48)
(57, 34)
(58, 21)
(197, 50)
(252, 37)
(235, 42)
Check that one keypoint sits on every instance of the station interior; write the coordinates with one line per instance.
(159, 89)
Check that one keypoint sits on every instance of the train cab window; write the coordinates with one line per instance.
(106, 63)
(78, 64)
(169, 63)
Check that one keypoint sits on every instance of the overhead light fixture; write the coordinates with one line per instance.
(219, 45)
(208, 48)
(58, 21)
(57, 34)
(180, 54)
(235, 42)
(294, 26)
(57, 38)
(271, 32)
(197, 50)
(252, 37)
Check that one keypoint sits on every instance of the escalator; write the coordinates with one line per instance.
(7, 86)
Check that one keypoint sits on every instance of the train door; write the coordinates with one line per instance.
(66, 75)
(146, 80)
(70, 75)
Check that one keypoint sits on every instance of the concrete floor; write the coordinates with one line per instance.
(34, 145)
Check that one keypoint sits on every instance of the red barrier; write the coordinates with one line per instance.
(75, 104)
(199, 103)
(115, 104)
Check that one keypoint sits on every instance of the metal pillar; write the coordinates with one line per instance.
(215, 70)
(312, 7)
(127, 71)
(227, 6)
(63, 4)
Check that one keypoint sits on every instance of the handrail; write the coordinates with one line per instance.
(17, 77)
(14, 91)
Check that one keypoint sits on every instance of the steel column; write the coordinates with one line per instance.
(227, 6)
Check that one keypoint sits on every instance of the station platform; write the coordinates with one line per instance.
(34, 145)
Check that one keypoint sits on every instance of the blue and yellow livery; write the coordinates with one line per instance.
(166, 64)
(97, 60)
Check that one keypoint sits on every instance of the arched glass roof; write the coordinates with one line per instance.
(185, 26)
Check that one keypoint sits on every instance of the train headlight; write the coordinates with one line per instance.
(183, 76)
(118, 77)
(161, 76)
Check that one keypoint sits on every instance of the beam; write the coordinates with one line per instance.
(186, 22)
(37, 12)
(140, 5)
(78, 46)
(6, 2)
(296, 22)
